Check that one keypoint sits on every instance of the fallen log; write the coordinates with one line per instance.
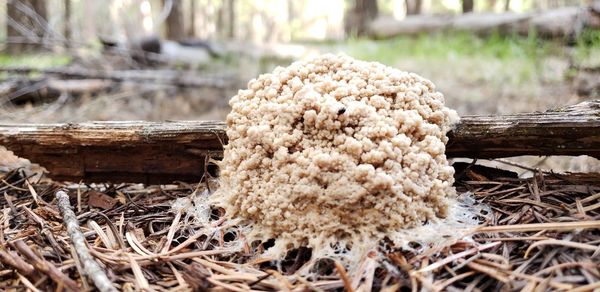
(572, 130)
(566, 22)
(164, 77)
(163, 152)
(22, 90)
(40, 90)
(79, 86)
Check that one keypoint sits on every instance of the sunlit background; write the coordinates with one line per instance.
(247, 20)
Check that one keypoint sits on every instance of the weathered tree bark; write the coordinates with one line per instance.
(573, 130)
(25, 25)
(164, 152)
(175, 25)
(565, 23)
(118, 151)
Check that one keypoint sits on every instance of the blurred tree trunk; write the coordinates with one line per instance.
(192, 29)
(220, 22)
(291, 9)
(175, 23)
(467, 6)
(358, 19)
(507, 5)
(67, 22)
(231, 18)
(413, 7)
(226, 19)
(24, 22)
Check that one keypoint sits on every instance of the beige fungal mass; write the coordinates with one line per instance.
(335, 149)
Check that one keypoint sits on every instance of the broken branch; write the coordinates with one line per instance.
(90, 266)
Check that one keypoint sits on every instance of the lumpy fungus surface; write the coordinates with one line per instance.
(333, 150)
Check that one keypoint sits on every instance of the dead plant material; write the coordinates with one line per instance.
(90, 266)
(543, 233)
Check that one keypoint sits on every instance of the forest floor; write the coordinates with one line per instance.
(493, 75)
(536, 234)
(532, 239)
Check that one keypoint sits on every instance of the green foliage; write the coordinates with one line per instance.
(34, 60)
(514, 59)
(589, 39)
(497, 73)
(444, 46)
(587, 52)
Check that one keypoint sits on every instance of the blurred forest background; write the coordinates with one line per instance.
(78, 60)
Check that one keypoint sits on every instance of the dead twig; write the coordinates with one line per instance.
(90, 266)
(44, 266)
(10, 258)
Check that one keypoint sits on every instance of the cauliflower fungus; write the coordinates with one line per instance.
(336, 150)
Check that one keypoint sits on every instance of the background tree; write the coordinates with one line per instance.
(358, 19)
(67, 22)
(226, 19)
(192, 28)
(231, 18)
(175, 26)
(467, 6)
(413, 7)
(25, 25)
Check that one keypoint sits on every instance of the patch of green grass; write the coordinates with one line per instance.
(587, 49)
(589, 40)
(34, 60)
(500, 59)
(451, 45)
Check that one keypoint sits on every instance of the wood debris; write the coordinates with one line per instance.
(154, 153)
(542, 234)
